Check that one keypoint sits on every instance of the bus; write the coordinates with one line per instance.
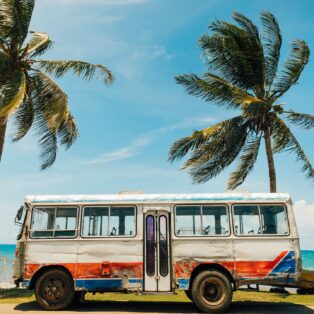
(207, 245)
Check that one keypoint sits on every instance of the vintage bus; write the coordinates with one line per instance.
(205, 244)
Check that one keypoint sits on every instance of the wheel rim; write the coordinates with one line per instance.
(54, 290)
(213, 291)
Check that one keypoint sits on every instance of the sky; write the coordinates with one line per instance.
(127, 128)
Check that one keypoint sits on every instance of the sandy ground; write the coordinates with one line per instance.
(158, 307)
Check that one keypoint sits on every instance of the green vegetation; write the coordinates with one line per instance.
(23, 295)
(16, 295)
(28, 95)
(242, 75)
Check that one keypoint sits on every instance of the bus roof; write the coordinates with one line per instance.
(157, 198)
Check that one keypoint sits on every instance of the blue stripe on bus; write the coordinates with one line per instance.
(133, 281)
(286, 266)
(26, 283)
(106, 284)
(183, 283)
(99, 284)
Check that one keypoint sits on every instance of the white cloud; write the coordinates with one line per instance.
(140, 57)
(304, 215)
(135, 148)
(122, 153)
(190, 123)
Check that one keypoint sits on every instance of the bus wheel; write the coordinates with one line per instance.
(54, 290)
(212, 291)
(189, 294)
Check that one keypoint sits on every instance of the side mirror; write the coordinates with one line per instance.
(19, 215)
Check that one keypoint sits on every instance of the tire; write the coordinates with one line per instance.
(54, 290)
(212, 291)
(189, 294)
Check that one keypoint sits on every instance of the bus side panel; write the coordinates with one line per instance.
(189, 253)
(262, 260)
(40, 253)
(109, 264)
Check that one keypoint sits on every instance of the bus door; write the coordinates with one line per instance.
(157, 264)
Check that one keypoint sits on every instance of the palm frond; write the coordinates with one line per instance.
(67, 131)
(181, 147)
(247, 25)
(292, 69)
(6, 20)
(211, 157)
(213, 88)
(225, 59)
(15, 16)
(38, 41)
(52, 119)
(5, 62)
(234, 54)
(304, 120)
(24, 116)
(285, 141)
(272, 43)
(256, 57)
(246, 164)
(47, 140)
(82, 69)
(12, 93)
(49, 98)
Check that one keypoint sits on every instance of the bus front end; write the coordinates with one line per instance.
(18, 268)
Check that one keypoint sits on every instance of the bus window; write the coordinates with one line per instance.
(54, 222)
(122, 221)
(215, 220)
(274, 219)
(150, 251)
(163, 246)
(246, 220)
(95, 221)
(108, 221)
(188, 220)
(43, 222)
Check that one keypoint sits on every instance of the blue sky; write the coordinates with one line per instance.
(126, 129)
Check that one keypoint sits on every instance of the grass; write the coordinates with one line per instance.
(17, 296)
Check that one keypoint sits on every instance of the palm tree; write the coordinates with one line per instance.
(242, 75)
(27, 94)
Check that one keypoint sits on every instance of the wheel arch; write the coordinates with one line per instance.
(211, 266)
(43, 269)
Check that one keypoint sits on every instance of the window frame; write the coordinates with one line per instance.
(155, 253)
(109, 212)
(261, 235)
(202, 235)
(53, 230)
(167, 247)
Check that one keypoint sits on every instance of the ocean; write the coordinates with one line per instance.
(7, 252)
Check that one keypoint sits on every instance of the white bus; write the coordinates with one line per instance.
(205, 244)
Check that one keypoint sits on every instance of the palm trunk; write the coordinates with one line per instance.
(271, 164)
(3, 126)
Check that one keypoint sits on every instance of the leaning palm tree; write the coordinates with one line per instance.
(27, 93)
(242, 75)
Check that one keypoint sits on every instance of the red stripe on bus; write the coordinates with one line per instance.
(92, 270)
(243, 269)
